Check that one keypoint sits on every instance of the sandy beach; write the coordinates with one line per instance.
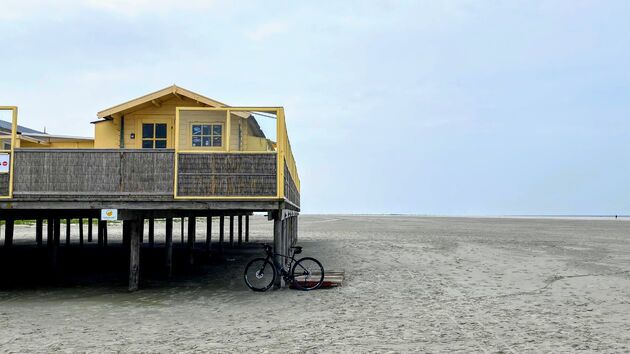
(413, 284)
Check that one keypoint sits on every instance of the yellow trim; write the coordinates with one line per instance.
(228, 126)
(176, 157)
(280, 141)
(12, 151)
(224, 152)
(228, 110)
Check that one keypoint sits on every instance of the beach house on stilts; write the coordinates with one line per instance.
(170, 154)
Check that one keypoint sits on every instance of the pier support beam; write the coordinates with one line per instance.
(221, 232)
(57, 231)
(134, 253)
(151, 232)
(192, 229)
(246, 228)
(240, 230)
(50, 234)
(99, 233)
(105, 233)
(231, 231)
(39, 225)
(169, 247)
(208, 233)
(81, 231)
(182, 229)
(8, 232)
(67, 232)
(278, 233)
(90, 222)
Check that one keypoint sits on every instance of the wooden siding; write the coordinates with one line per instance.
(93, 172)
(220, 174)
(4, 184)
(291, 192)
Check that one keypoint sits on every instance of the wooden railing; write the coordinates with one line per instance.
(140, 174)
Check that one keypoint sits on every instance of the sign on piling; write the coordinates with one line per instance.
(109, 214)
(5, 163)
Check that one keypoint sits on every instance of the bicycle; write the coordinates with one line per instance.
(305, 274)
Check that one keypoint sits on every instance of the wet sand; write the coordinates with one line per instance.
(412, 284)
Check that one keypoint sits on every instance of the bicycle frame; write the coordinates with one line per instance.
(271, 256)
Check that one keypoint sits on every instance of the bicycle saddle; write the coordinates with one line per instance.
(298, 249)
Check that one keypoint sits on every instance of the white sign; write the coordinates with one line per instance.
(109, 214)
(5, 163)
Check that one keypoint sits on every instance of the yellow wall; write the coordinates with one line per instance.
(107, 134)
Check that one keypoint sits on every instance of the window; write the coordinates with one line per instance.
(207, 135)
(154, 135)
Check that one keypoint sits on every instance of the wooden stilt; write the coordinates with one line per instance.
(246, 228)
(142, 233)
(50, 235)
(151, 232)
(105, 233)
(231, 231)
(169, 247)
(90, 222)
(39, 225)
(51, 244)
(81, 231)
(208, 233)
(182, 231)
(57, 231)
(240, 230)
(9, 225)
(67, 232)
(192, 225)
(134, 254)
(221, 232)
(99, 233)
(277, 245)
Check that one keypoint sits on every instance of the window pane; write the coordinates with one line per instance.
(147, 131)
(206, 130)
(216, 129)
(196, 130)
(160, 144)
(206, 141)
(196, 141)
(216, 140)
(147, 144)
(160, 131)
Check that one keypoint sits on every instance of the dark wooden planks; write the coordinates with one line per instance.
(227, 175)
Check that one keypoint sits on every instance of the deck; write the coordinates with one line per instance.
(146, 179)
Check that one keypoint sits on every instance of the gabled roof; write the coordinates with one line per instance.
(7, 126)
(174, 90)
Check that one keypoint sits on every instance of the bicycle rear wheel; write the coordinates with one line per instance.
(260, 274)
(308, 274)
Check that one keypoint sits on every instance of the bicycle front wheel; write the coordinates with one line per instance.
(260, 274)
(308, 274)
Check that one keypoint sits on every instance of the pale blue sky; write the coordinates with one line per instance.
(424, 107)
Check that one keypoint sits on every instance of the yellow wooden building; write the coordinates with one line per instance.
(169, 154)
(149, 122)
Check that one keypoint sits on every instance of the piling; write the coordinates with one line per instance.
(39, 224)
(192, 224)
(208, 233)
(134, 253)
(169, 247)
(231, 231)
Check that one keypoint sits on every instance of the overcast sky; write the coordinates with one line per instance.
(423, 107)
